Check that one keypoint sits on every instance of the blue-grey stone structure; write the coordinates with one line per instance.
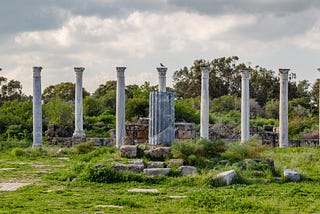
(120, 107)
(78, 131)
(37, 108)
(161, 113)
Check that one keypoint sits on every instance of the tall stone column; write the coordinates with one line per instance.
(78, 131)
(120, 107)
(204, 114)
(319, 108)
(162, 71)
(37, 108)
(283, 116)
(245, 106)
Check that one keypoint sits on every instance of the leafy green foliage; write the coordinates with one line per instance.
(58, 111)
(84, 148)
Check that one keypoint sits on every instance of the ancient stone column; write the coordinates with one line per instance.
(120, 107)
(245, 106)
(37, 108)
(78, 131)
(319, 109)
(283, 116)
(161, 113)
(162, 71)
(204, 114)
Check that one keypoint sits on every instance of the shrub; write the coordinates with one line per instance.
(182, 149)
(17, 152)
(84, 148)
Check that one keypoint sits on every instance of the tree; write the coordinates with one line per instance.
(59, 112)
(103, 89)
(64, 91)
(11, 90)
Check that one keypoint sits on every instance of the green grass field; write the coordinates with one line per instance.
(60, 184)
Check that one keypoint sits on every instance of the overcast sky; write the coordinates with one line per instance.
(139, 34)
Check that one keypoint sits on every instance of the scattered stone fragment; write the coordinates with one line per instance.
(136, 162)
(157, 171)
(7, 169)
(128, 151)
(12, 186)
(187, 170)
(177, 196)
(175, 162)
(109, 206)
(224, 161)
(227, 176)
(291, 175)
(38, 165)
(61, 151)
(136, 190)
(155, 164)
(63, 158)
(127, 167)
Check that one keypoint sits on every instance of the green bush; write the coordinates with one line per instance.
(183, 149)
(84, 148)
(17, 152)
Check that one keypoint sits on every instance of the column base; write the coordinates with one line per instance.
(79, 134)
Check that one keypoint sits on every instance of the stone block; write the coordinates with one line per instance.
(157, 171)
(127, 167)
(155, 164)
(159, 152)
(227, 176)
(291, 175)
(128, 151)
(187, 170)
(136, 161)
(175, 162)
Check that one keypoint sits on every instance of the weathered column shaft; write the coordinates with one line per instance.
(78, 131)
(245, 106)
(37, 108)
(120, 107)
(283, 116)
(204, 114)
(162, 71)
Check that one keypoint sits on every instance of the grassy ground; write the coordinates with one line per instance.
(58, 186)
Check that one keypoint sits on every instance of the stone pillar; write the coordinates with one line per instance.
(245, 106)
(204, 114)
(161, 113)
(283, 116)
(319, 108)
(78, 131)
(120, 107)
(162, 71)
(37, 108)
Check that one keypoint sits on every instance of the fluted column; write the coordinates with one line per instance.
(120, 107)
(283, 116)
(37, 108)
(204, 114)
(245, 106)
(162, 71)
(78, 131)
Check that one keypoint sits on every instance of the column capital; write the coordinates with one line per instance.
(79, 69)
(245, 74)
(162, 71)
(37, 71)
(120, 71)
(205, 72)
(284, 73)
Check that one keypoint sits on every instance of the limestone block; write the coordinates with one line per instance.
(187, 170)
(128, 167)
(136, 161)
(227, 176)
(175, 162)
(157, 171)
(159, 152)
(128, 151)
(291, 175)
(155, 164)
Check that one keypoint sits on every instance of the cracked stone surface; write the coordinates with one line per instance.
(143, 190)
